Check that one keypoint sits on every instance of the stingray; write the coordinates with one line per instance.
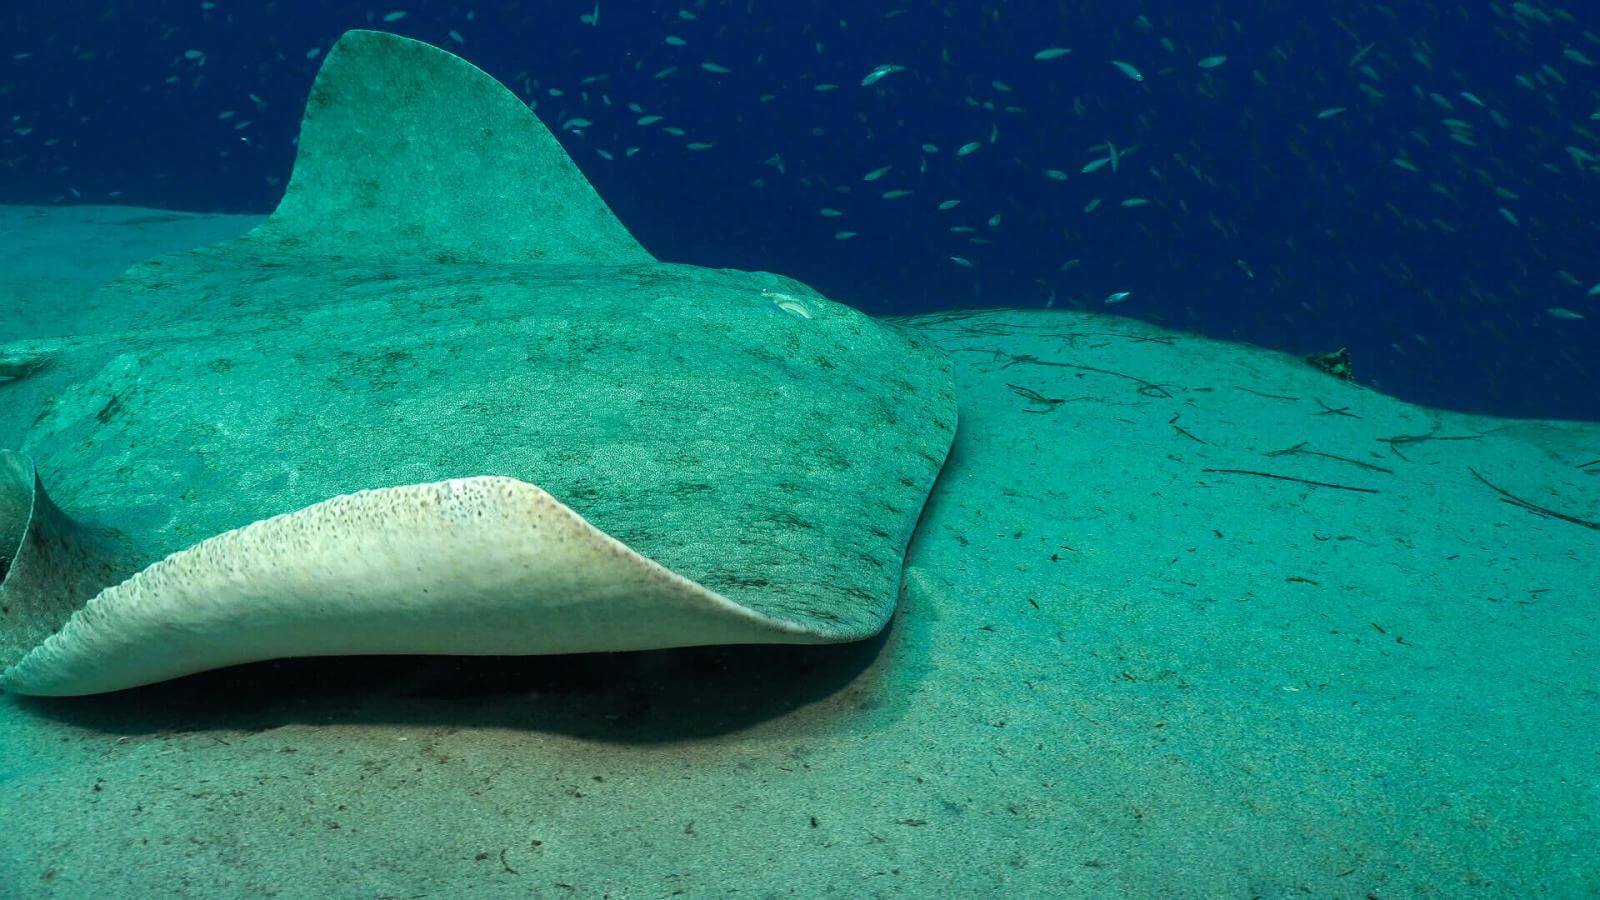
(442, 402)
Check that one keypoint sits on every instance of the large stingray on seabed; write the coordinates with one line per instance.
(442, 402)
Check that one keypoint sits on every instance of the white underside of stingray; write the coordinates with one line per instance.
(469, 566)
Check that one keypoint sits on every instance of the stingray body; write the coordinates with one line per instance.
(442, 402)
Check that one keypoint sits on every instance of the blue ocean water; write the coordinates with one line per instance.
(1417, 182)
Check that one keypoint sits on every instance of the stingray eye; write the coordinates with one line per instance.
(795, 307)
(788, 304)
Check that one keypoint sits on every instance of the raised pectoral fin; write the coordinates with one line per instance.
(49, 565)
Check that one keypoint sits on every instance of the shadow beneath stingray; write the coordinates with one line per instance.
(646, 697)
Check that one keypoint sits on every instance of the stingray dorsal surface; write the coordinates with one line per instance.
(442, 402)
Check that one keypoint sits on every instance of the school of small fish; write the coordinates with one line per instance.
(1079, 133)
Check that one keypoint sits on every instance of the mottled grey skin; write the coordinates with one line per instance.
(441, 294)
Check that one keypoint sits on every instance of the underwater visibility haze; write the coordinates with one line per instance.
(710, 448)
(1414, 181)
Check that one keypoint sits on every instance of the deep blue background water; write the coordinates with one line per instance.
(1265, 222)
